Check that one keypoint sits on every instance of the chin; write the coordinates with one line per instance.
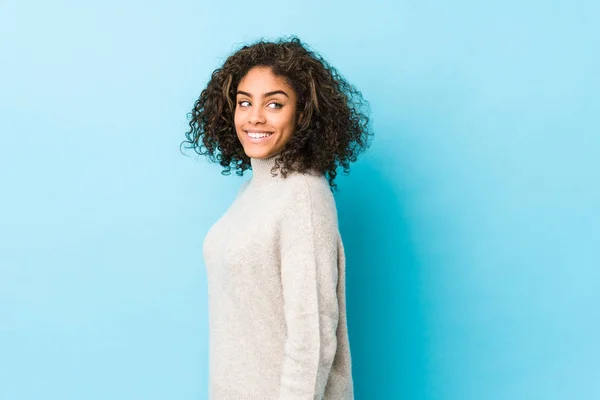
(258, 153)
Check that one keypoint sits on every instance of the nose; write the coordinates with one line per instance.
(256, 115)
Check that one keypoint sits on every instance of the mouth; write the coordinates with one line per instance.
(258, 137)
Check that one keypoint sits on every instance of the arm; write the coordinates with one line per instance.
(309, 275)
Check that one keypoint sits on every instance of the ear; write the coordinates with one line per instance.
(300, 117)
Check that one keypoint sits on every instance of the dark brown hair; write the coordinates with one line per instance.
(334, 129)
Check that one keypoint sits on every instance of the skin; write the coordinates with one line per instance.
(264, 103)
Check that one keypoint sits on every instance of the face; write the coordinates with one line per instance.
(265, 113)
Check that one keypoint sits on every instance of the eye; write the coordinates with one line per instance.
(243, 101)
(276, 104)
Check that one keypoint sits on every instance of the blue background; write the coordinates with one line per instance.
(472, 226)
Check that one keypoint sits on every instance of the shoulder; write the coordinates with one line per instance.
(307, 193)
(242, 187)
(306, 185)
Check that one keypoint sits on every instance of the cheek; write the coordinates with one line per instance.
(286, 122)
(236, 118)
(237, 125)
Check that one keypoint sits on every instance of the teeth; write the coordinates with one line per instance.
(258, 135)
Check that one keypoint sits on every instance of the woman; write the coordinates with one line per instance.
(275, 260)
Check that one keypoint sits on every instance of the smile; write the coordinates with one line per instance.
(258, 136)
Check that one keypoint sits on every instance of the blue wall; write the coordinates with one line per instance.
(472, 226)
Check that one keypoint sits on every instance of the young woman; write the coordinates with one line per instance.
(275, 260)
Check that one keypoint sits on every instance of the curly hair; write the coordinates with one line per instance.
(334, 129)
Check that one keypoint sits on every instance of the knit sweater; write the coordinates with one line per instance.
(276, 292)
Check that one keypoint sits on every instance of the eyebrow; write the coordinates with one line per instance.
(266, 94)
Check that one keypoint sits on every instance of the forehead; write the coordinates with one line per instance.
(261, 79)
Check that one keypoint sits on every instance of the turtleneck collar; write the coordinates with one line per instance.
(261, 168)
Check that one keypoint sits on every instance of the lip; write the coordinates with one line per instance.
(256, 131)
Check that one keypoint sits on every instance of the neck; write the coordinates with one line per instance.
(261, 168)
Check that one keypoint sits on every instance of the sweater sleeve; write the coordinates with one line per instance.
(309, 276)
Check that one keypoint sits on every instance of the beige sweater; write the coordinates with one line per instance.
(276, 292)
